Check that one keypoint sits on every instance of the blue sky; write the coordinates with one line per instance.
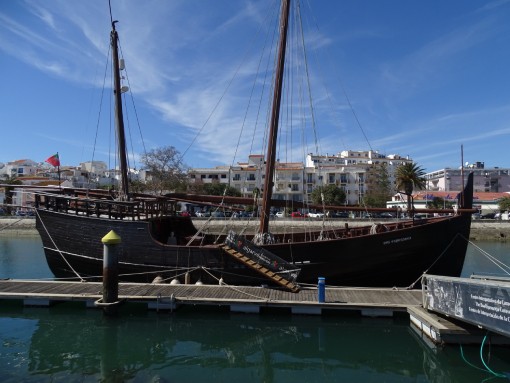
(421, 78)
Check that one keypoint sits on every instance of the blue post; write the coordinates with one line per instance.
(321, 289)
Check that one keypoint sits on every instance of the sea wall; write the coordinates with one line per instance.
(481, 230)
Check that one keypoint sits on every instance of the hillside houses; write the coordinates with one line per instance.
(293, 181)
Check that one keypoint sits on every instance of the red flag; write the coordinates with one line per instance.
(53, 160)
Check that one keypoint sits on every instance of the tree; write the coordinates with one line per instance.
(439, 203)
(333, 195)
(504, 204)
(166, 170)
(408, 177)
(379, 186)
(220, 189)
(137, 186)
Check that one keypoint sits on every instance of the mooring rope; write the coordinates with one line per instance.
(504, 267)
(234, 288)
(411, 286)
(12, 223)
(56, 247)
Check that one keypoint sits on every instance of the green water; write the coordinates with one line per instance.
(73, 344)
(69, 343)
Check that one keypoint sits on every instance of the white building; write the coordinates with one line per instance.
(19, 168)
(485, 202)
(348, 170)
(247, 177)
(494, 180)
(295, 181)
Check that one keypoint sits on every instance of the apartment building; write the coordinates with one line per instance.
(296, 181)
(248, 177)
(490, 180)
(349, 171)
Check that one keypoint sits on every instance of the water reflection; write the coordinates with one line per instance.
(80, 345)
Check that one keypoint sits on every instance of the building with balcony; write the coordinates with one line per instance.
(295, 181)
(349, 171)
(489, 180)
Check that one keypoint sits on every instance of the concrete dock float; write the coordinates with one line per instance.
(373, 302)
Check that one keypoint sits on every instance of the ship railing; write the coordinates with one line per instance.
(103, 208)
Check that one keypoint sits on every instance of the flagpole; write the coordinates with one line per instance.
(58, 171)
(54, 161)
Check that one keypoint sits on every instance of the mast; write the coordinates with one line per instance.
(461, 202)
(119, 119)
(275, 115)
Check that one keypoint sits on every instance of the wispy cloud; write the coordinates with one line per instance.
(491, 5)
(43, 14)
(425, 66)
(182, 57)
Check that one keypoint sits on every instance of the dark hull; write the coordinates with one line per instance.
(392, 258)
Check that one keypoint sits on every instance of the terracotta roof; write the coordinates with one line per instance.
(452, 195)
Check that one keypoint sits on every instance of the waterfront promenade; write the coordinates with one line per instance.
(481, 230)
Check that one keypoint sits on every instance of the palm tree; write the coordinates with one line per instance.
(408, 177)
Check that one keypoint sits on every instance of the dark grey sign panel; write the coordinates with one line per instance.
(484, 303)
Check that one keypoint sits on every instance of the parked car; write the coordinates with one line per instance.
(386, 215)
(280, 214)
(487, 216)
(240, 214)
(218, 214)
(316, 215)
(340, 214)
(297, 214)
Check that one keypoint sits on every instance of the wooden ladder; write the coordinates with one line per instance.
(261, 269)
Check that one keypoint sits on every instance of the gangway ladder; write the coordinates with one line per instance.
(278, 279)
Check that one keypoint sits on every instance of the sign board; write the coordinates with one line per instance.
(484, 303)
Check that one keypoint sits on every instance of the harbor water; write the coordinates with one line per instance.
(70, 343)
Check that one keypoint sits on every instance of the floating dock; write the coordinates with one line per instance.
(373, 302)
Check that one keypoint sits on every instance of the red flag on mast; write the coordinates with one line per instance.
(53, 160)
